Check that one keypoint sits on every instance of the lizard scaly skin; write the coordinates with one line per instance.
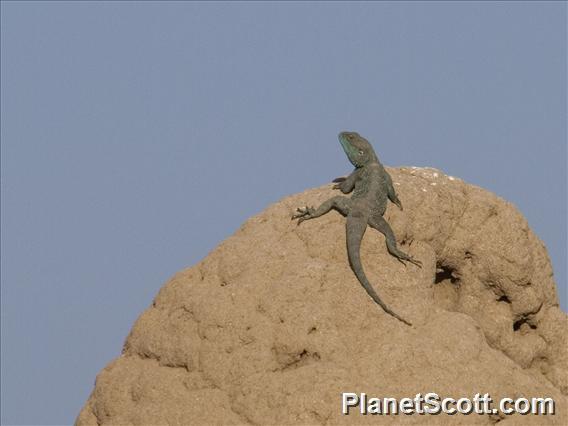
(372, 187)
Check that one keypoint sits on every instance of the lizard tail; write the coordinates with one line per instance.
(355, 230)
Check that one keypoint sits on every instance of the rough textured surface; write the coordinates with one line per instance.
(272, 325)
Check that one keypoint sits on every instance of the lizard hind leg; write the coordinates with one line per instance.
(380, 224)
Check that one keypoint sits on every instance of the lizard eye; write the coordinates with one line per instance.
(360, 152)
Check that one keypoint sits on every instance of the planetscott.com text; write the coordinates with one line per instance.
(432, 403)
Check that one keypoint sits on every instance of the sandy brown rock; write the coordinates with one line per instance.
(272, 326)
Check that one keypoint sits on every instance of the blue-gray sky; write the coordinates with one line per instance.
(137, 136)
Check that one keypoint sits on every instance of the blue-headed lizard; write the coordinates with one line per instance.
(371, 186)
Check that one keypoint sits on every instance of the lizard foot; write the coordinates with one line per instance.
(340, 184)
(303, 213)
(404, 257)
(414, 261)
(343, 186)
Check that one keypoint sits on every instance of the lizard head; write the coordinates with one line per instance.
(358, 149)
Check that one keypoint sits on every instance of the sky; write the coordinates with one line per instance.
(136, 136)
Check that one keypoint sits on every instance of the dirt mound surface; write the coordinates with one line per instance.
(272, 326)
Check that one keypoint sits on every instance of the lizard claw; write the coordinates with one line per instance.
(338, 182)
(303, 213)
(415, 262)
(410, 259)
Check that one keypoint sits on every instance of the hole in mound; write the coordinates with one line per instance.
(445, 273)
(504, 299)
(446, 287)
(523, 325)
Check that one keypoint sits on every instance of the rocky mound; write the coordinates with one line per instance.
(272, 326)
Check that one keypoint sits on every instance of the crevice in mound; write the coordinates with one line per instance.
(156, 358)
(444, 273)
(446, 287)
(295, 360)
(303, 358)
(526, 322)
(523, 325)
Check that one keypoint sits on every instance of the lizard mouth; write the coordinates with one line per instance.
(343, 141)
(347, 147)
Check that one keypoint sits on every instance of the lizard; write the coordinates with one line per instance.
(372, 187)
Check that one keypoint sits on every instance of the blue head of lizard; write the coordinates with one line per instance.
(358, 149)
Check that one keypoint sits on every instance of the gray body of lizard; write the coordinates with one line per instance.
(372, 188)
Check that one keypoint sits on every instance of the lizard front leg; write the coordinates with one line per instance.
(339, 203)
(346, 184)
(380, 224)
